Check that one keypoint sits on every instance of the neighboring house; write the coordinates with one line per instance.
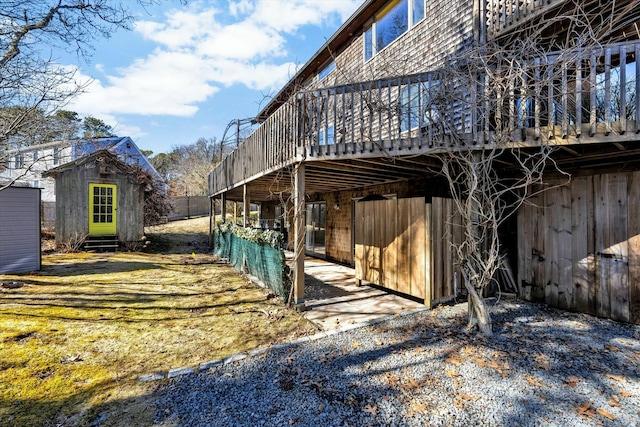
(28, 163)
(349, 142)
(19, 229)
(100, 201)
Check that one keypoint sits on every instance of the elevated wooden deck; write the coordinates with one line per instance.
(385, 130)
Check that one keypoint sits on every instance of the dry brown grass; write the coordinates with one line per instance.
(77, 335)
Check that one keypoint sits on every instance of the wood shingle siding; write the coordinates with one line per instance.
(383, 121)
(19, 230)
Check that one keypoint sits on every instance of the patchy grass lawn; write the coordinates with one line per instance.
(75, 336)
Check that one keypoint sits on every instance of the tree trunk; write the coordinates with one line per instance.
(478, 313)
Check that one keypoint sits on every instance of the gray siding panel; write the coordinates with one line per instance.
(19, 230)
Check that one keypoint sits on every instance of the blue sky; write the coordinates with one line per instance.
(185, 71)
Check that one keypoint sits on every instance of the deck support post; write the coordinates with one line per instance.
(246, 205)
(235, 213)
(299, 237)
(212, 223)
(223, 206)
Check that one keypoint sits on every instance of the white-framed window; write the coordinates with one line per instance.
(326, 69)
(392, 21)
(18, 161)
(327, 136)
(417, 105)
(36, 183)
(56, 155)
(35, 155)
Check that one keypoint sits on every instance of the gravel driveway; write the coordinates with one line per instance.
(542, 367)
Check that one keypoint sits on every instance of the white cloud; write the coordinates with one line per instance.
(242, 7)
(126, 129)
(289, 15)
(182, 30)
(243, 41)
(199, 49)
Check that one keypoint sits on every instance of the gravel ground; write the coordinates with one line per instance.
(541, 367)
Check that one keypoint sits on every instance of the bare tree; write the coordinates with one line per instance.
(186, 167)
(486, 100)
(32, 85)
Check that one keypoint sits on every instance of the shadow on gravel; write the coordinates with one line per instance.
(542, 367)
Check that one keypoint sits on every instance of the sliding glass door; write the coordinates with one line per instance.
(316, 228)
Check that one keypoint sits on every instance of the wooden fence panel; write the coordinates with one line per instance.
(438, 245)
(564, 249)
(390, 250)
(611, 238)
(372, 253)
(583, 248)
(428, 286)
(404, 246)
(378, 240)
(525, 232)
(538, 252)
(359, 241)
(551, 253)
(445, 232)
(582, 254)
(633, 228)
(417, 252)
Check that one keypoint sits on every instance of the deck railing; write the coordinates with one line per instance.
(271, 146)
(578, 94)
(503, 14)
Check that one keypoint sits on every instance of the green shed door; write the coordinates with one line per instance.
(102, 209)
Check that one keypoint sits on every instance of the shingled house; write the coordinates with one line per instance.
(352, 142)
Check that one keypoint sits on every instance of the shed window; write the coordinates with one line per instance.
(392, 21)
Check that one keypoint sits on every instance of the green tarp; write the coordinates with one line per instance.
(257, 259)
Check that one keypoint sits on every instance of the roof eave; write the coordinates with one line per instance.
(330, 48)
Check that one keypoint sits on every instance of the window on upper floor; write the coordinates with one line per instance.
(326, 69)
(18, 161)
(327, 135)
(392, 21)
(418, 107)
(35, 155)
(56, 155)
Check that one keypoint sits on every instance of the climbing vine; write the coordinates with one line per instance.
(272, 238)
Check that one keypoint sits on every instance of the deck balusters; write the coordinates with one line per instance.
(591, 90)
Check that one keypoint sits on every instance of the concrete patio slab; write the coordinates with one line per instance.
(333, 300)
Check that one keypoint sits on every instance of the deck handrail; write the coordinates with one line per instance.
(578, 93)
(504, 14)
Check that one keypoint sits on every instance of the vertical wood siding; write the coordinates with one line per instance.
(405, 245)
(72, 206)
(19, 230)
(579, 246)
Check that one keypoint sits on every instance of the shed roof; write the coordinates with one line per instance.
(101, 156)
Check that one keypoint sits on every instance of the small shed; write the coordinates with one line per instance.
(100, 200)
(19, 229)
